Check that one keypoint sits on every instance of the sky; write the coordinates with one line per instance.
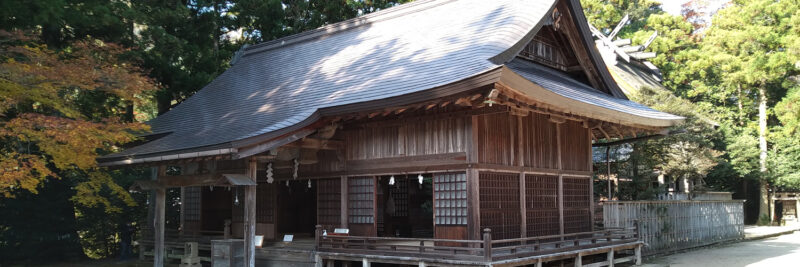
(672, 6)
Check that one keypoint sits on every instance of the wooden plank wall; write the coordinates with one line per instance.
(539, 142)
(405, 138)
(576, 147)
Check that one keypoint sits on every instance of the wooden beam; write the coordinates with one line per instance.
(316, 143)
(250, 216)
(605, 134)
(574, 38)
(619, 133)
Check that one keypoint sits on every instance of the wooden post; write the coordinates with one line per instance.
(608, 172)
(523, 227)
(158, 225)
(560, 183)
(579, 260)
(638, 255)
(317, 236)
(610, 258)
(364, 262)
(592, 203)
(522, 193)
(317, 260)
(343, 203)
(473, 204)
(487, 245)
(250, 217)
(182, 223)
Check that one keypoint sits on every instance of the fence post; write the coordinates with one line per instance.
(317, 236)
(487, 244)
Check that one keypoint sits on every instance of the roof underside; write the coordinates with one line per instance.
(581, 99)
(280, 85)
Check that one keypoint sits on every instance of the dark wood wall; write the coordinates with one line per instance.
(490, 170)
(534, 175)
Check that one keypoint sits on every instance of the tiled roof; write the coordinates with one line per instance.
(278, 86)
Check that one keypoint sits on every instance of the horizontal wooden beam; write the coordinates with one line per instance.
(316, 143)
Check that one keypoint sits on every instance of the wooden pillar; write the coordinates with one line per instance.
(590, 167)
(344, 195)
(579, 260)
(610, 258)
(158, 225)
(250, 216)
(473, 190)
(487, 245)
(182, 223)
(523, 230)
(473, 205)
(560, 181)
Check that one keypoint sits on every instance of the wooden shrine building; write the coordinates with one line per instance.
(434, 132)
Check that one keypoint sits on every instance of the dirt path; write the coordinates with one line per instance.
(777, 251)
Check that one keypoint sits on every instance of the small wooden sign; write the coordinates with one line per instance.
(259, 240)
(288, 238)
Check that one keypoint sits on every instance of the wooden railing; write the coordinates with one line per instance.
(466, 250)
(542, 245)
(486, 250)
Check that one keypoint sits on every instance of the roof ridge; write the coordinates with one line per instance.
(356, 22)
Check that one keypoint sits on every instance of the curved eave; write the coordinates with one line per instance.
(587, 109)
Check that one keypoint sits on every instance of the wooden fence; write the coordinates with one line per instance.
(668, 226)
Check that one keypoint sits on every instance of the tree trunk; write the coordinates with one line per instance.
(739, 103)
(762, 144)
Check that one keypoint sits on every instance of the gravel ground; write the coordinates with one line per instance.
(783, 250)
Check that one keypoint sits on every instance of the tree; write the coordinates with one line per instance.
(743, 58)
(61, 109)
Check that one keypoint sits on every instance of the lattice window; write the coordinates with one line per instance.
(191, 203)
(576, 205)
(361, 195)
(265, 203)
(329, 202)
(399, 195)
(541, 204)
(499, 202)
(541, 51)
(450, 196)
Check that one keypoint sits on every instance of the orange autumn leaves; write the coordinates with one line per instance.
(44, 125)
